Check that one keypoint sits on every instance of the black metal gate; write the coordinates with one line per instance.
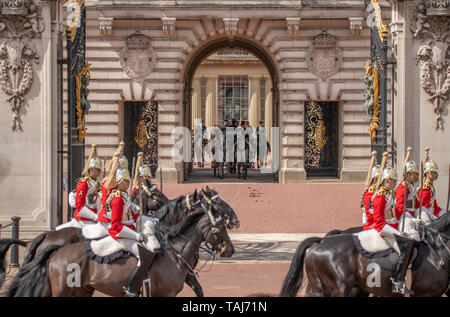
(78, 77)
(378, 69)
(321, 139)
(141, 131)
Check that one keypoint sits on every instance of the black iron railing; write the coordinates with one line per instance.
(14, 263)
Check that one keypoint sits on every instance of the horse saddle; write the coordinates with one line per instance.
(105, 250)
(371, 245)
(94, 231)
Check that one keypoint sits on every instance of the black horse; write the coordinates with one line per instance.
(152, 198)
(335, 267)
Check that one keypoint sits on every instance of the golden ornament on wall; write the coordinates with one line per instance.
(141, 134)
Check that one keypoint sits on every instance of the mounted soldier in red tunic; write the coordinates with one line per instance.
(123, 227)
(412, 176)
(87, 190)
(367, 207)
(151, 197)
(86, 193)
(109, 184)
(428, 193)
(385, 222)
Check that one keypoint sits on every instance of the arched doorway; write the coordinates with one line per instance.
(227, 43)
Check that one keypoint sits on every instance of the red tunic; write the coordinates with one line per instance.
(118, 214)
(105, 194)
(80, 199)
(400, 199)
(366, 200)
(379, 206)
(427, 196)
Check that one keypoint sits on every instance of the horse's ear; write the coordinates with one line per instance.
(195, 194)
(207, 188)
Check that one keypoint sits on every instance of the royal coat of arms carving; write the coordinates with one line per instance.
(20, 23)
(138, 58)
(431, 26)
(324, 58)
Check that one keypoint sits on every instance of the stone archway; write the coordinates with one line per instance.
(214, 45)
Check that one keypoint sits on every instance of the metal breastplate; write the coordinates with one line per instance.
(91, 195)
(389, 215)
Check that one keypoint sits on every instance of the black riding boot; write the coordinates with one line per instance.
(130, 290)
(398, 281)
(138, 274)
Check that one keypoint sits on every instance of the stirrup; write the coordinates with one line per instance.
(399, 287)
(128, 293)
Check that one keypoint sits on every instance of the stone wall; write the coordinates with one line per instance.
(416, 122)
(28, 157)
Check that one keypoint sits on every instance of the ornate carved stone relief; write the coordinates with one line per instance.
(431, 25)
(138, 58)
(20, 22)
(324, 58)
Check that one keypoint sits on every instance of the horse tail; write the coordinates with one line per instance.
(4, 247)
(333, 232)
(294, 278)
(33, 247)
(346, 231)
(31, 279)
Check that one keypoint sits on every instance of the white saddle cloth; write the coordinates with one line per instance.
(107, 246)
(95, 231)
(74, 223)
(372, 242)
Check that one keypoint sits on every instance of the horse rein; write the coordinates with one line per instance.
(440, 236)
(214, 230)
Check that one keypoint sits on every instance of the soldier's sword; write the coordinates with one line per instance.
(404, 199)
(369, 173)
(140, 203)
(408, 153)
(160, 179)
(421, 191)
(448, 194)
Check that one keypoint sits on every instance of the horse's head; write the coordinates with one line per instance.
(210, 197)
(152, 197)
(215, 233)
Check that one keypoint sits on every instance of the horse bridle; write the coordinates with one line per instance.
(440, 236)
(209, 201)
(155, 196)
(215, 230)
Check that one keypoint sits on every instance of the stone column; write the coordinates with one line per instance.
(418, 33)
(254, 109)
(196, 101)
(211, 105)
(28, 157)
(268, 109)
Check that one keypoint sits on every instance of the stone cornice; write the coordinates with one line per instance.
(195, 3)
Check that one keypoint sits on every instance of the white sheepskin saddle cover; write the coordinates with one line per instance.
(371, 241)
(94, 232)
(71, 224)
(106, 246)
(109, 246)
